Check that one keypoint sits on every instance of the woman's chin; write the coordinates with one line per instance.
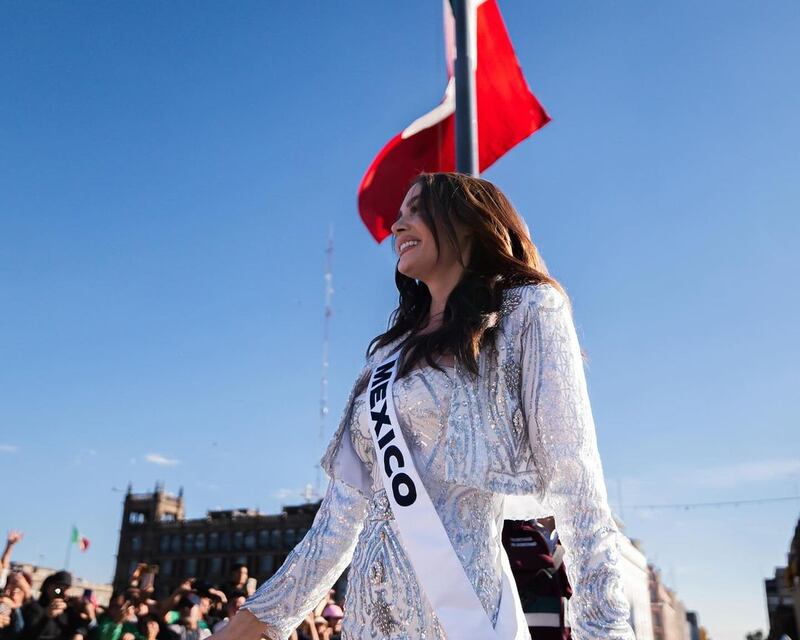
(403, 268)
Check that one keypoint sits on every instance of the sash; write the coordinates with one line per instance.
(427, 545)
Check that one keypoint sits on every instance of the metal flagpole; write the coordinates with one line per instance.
(464, 13)
(69, 550)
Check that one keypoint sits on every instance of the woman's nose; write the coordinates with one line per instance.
(398, 226)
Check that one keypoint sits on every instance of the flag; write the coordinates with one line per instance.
(77, 538)
(507, 114)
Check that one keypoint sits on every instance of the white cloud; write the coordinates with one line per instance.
(8, 448)
(157, 458)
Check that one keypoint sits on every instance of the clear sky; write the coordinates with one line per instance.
(168, 173)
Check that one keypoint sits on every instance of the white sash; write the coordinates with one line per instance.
(427, 545)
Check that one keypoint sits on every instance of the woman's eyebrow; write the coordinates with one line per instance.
(411, 203)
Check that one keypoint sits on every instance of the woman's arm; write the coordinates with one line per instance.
(312, 567)
(564, 443)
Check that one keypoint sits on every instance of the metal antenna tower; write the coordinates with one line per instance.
(323, 401)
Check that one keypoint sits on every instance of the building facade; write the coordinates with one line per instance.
(668, 612)
(636, 584)
(781, 609)
(783, 593)
(155, 531)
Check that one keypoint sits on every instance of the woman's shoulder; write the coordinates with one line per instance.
(522, 300)
(380, 353)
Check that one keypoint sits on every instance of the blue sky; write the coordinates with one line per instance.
(167, 178)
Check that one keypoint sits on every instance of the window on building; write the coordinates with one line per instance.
(263, 539)
(301, 533)
(289, 539)
(266, 565)
(136, 543)
(213, 541)
(238, 538)
(250, 540)
(190, 567)
(200, 542)
(188, 542)
(136, 517)
(168, 517)
(215, 566)
(225, 541)
(176, 543)
(275, 539)
(166, 567)
(163, 544)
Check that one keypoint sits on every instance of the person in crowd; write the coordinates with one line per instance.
(47, 618)
(211, 602)
(307, 629)
(333, 613)
(231, 607)
(15, 594)
(82, 615)
(12, 539)
(536, 561)
(169, 605)
(118, 620)
(149, 627)
(238, 581)
(187, 626)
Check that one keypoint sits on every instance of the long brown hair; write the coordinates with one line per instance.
(502, 256)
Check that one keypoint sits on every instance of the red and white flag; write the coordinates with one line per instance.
(507, 114)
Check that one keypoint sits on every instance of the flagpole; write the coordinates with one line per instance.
(69, 549)
(464, 13)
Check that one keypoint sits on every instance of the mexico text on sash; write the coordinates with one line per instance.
(436, 565)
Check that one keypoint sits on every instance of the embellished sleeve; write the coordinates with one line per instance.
(564, 443)
(314, 564)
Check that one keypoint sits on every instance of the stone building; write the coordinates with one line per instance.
(668, 612)
(155, 531)
(783, 593)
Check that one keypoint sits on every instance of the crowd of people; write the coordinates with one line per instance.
(198, 608)
(194, 611)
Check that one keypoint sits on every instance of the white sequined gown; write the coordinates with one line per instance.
(383, 599)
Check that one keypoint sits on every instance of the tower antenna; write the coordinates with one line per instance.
(323, 400)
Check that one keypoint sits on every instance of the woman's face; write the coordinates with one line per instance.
(415, 246)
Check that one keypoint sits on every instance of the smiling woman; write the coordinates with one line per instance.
(454, 265)
(471, 408)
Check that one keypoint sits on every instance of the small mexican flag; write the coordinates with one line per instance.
(77, 538)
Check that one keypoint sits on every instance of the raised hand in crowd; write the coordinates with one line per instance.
(12, 538)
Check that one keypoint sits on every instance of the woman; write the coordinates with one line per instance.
(488, 389)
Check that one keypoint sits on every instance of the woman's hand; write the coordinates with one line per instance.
(243, 626)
